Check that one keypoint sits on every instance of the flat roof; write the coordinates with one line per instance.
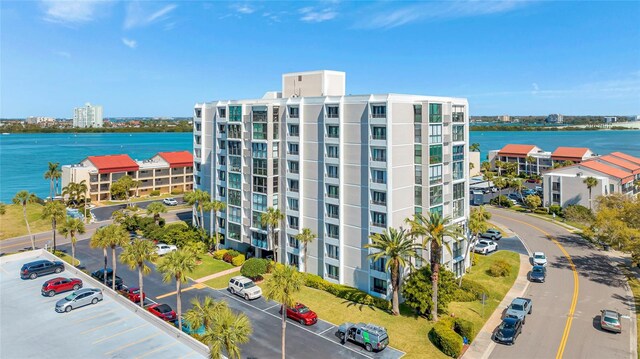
(112, 328)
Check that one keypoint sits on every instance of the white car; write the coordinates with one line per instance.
(170, 201)
(244, 287)
(485, 247)
(163, 249)
(539, 259)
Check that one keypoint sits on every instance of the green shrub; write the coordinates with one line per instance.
(464, 328)
(154, 193)
(501, 200)
(315, 281)
(499, 269)
(473, 287)
(219, 254)
(541, 211)
(345, 292)
(555, 209)
(177, 191)
(444, 338)
(578, 213)
(271, 265)
(254, 268)
(461, 295)
(474, 259)
(238, 260)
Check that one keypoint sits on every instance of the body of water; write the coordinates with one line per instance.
(24, 157)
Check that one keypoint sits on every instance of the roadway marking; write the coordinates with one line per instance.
(132, 344)
(95, 316)
(326, 330)
(176, 292)
(273, 306)
(157, 350)
(120, 333)
(102, 326)
(576, 285)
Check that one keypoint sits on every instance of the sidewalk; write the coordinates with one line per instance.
(483, 345)
(219, 274)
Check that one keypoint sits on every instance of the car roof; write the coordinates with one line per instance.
(86, 290)
(36, 262)
(518, 301)
(57, 278)
(510, 320)
(610, 313)
(538, 253)
(242, 279)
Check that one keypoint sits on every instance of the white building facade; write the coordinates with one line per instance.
(343, 166)
(87, 116)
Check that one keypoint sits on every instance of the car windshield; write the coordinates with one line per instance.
(537, 270)
(611, 320)
(249, 285)
(71, 297)
(516, 307)
(481, 245)
(507, 325)
(303, 310)
(135, 291)
(539, 256)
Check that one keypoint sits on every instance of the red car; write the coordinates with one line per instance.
(132, 293)
(302, 314)
(59, 285)
(162, 311)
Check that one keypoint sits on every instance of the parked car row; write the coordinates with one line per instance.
(514, 318)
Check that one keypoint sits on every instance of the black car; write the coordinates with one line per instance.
(34, 269)
(508, 331)
(99, 276)
(538, 274)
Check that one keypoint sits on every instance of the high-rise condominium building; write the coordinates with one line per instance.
(87, 116)
(344, 166)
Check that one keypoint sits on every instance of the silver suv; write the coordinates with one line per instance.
(244, 287)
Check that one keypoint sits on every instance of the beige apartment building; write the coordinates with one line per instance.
(167, 172)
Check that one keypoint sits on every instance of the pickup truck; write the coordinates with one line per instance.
(519, 308)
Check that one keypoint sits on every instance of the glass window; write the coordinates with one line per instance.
(276, 114)
(379, 219)
(333, 251)
(222, 160)
(235, 113)
(293, 222)
(457, 113)
(332, 171)
(333, 211)
(458, 153)
(235, 180)
(333, 191)
(294, 130)
(293, 203)
(379, 265)
(458, 190)
(458, 170)
(222, 112)
(293, 185)
(435, 133)
(259, 202)
(379, 286)
(235, 215)
(233, 231)
(275, 184)
(294, 260)
(435, 154)
(222, 175)
(435, 112)
(333, 131)
(379, 154)
(417, 133)
(379, 133)
(378, 111)
(259, 167)
(276, 164)
(435, 174)
(259, 131)
(256, 220)
(235, 164)
(235, 148)
(259, 114)
(417, 194)
(378, 197)
(418, 175)
(332, 151)
(332, 111)
(458, 208)
(235, 197)
(417, 113)
(293, 242)
(333, 231)
(379, 176)
(259, 240)
(417, 154)
(437, 210)
(293, 149)
(260, 184)
(276, 131)
(435, 195)
(458, 133)
(294, 167)
(259, 150)
(333, 272)
(294, 112)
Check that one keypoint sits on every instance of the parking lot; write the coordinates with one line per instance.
(316, 341)
(112, 328)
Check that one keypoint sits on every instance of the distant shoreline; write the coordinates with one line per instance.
(97, 130)
(544, 128)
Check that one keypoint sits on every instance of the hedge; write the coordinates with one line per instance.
(154, 193)
(238, 260)
(254, 268)
(445, 338)
(344, 292)
(499, 268)
(219, 254)
(461, 295)
(473, 287)
(464, 328)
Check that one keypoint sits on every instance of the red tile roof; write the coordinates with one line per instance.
(627, 157)
(177, 159)
(512, 150)
(627, 165)
(608, 170)
(574, 154)
(113, 163)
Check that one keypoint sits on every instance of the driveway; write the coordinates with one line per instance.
(104, 213)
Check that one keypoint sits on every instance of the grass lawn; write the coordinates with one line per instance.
(209, 266)
(408, 332)
(66, 257)
(12, 222)
(221, 282)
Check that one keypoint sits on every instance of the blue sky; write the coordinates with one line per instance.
(159, 58)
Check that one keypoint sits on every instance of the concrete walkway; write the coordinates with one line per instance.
(216, 275)
(483, 345)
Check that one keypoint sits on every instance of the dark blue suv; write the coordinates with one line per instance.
(35, 269)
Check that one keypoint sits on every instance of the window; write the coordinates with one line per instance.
(222, 175)
(332, 171)
(275, 185)
(276, 113)
(276, 131)
(222, 191)
(332, 111)
(259, 240)
(294, 167)
(379, 198)
(235, 215)
(458, 170)
(379, 133)
(333, 251)
(458, 133)
(435, 133)
(333, 231)
(235, 164)
(418, 258)
(233, 231)
(435, 195)
(333, 131)
(333, 272)
(235, 197)
(222, 144)
(437, 210)
(293, 185)
(458, 190)
(458, 153)
(275, 149)
(259, 167)
(379, 265)
(276, 164)
(222, 161)
(379, 176)
(378, 111)
(235, 148)
(293, 222)
(555, 186)
(418, 175)
(293, 149)
(235, 180)
(379, 219)
(259, 150)
(458, 208)
(435, 174)
(417, 154)
(379, 286)
(259, 202)
(292, 203)
(556, 198)
(259, 114)
(256, 220)
(222, 112)
(417, 133)
(379, 154)
(458, 268)
(417, 113)
(457, 113)
(293, 242)
(222, 129)
(259, 131)
(294, 112)
(332, 151)
(260, 184)
(435, 113)
(235, 113)
(333, 191)
(435, 154)
(417, 195)
(294, 130)
(294, 260)
(333, 211)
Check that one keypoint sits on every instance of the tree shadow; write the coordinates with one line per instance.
(595, 267)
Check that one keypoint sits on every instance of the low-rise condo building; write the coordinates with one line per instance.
(532, 159)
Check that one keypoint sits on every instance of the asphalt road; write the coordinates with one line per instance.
(316, 341)
(559, 325)
(104, 213)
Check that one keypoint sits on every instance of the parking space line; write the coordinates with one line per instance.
(95, 316)
(132, 344)
(120, 333)
(326, 330)
(175, 292)
(102, 326)
(273, 306)
(156, 350)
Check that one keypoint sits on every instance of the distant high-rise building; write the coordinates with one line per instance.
(554, 118)
(610, 119)
(87, 116)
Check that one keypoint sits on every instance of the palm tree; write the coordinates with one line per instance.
(281, 287)
(477, 225)
(176, 265)
(500, 183)
(590, 182)
(516, 184)
(305, 237)
(99, 240)
(471, 166)
(115, 236)
(53, 174)
(485, 166)
(499, 165)
(71, 227)
(155, 209)
(137, 255)
(197, 200)
(474, 147)
(227, 332)
(436, 228)
(23, 198)
(215, 206)
(530, 160)
(204, 312)
(397, 248)
(190, 198)
(272, 220)
(55, 212)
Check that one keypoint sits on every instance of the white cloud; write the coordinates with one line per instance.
(130, 43)
(243, 8)
(140, 16)
(71, 12)
(310, 14)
